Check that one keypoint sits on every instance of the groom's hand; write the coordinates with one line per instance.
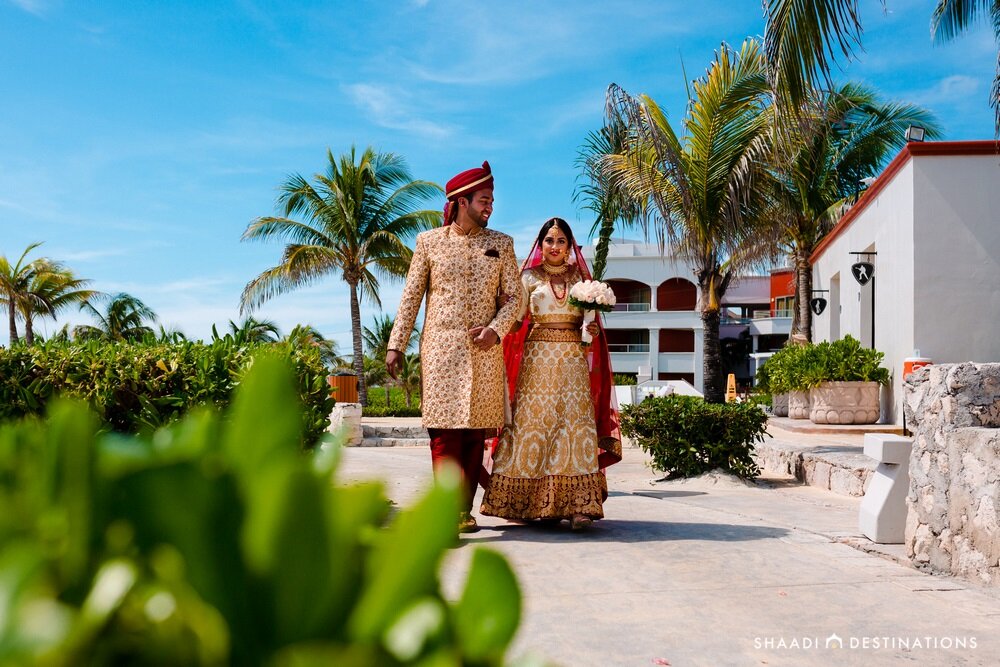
(392, 363)
(483, 337)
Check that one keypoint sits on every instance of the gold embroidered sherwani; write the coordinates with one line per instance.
(461, 275)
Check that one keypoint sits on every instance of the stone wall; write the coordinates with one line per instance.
(953, 411)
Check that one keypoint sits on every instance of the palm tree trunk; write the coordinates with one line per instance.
(359, 357)
(712, 356)
(802, 330)
(29, 331)
(13, 322)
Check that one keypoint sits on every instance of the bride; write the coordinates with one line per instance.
(548, 462)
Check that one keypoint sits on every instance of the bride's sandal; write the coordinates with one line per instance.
(580, 522)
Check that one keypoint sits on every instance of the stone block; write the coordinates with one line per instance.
(888, 448)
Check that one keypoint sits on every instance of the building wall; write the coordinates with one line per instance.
(885, 225)
(957, 260)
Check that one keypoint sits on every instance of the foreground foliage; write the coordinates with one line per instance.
(687, 436)
(137, 387)
(217, 541)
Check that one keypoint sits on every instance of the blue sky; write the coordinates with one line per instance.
(138, 139)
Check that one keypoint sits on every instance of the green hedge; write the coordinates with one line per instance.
(137, 387)
(687, 436)
(397, 404)
(218, 542)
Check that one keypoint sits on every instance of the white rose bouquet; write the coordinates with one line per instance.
(591, 296)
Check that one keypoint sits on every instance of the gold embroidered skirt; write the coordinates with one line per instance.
(545, 464)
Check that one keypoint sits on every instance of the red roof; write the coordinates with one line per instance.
(911, 149)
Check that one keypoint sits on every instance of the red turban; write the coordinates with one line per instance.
(466, 183)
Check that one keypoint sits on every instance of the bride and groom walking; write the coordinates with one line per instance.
(549, 395)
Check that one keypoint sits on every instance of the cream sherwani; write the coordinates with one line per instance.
(461, 275)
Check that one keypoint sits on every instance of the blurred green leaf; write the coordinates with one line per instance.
(404, 560)
(488, 613)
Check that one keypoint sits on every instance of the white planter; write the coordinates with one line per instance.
(779, 405)
(798, 404)
(845, 403)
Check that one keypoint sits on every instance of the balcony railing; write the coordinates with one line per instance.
(628, 347)
(766, 314)
(631, 307)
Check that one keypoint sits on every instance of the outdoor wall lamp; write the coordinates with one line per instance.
(914, 133)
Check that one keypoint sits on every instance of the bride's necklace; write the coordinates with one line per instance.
(559, 293)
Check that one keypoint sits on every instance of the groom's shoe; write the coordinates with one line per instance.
(467, 523)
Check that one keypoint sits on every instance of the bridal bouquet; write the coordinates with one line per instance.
(591, 296)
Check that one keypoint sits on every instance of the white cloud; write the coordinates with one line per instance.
(956, 89)
(389, 109)
(36, 7)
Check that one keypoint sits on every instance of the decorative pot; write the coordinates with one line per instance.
(798, 404)
(779, 405)
(845, 403)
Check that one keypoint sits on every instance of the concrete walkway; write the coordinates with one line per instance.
(713, 571)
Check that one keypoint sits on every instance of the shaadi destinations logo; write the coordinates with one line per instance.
(865, 643)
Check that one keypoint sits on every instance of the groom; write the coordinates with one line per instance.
(461, 267)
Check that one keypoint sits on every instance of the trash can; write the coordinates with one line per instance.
(343, 387)
(915, 362)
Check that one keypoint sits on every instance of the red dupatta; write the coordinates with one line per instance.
(598, 360)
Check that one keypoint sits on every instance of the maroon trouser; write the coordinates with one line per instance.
(464, 447)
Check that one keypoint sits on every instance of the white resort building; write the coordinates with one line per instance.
(655, 331)
(924, 239)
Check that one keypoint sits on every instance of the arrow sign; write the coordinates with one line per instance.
(863, 272)
(818, 305)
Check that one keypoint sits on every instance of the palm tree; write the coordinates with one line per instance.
(610, 204)
(124, 319)
(409, 376)
(51, 290)
(821, 152)
(15, 281)
(703, 185)
(376, 339)
(802, 38)
(305, 335)
(357, 218)
(165, 335)
(251, 330)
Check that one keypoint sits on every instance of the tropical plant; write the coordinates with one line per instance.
(139, 386)
(802, 38)
(15, 281)
(217, 542)
(611, 203)
(250, 331)
(124, 318)
(408, 376)
(843, 360)
(685, 436)
(377, 375)
(306, 335)
(703, 185)
(376, 338)
(821, 152)
(357, 218)
(52, 289)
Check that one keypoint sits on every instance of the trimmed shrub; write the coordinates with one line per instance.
(624, 380)
(218, 542)
(842, 360)
(138, 387)
(687, 436)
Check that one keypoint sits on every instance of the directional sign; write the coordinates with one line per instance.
(818, 305)
(863, 272)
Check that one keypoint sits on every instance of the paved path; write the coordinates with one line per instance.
(713, 572)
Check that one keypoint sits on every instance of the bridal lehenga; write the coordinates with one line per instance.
(563, 429)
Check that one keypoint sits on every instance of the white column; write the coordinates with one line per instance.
(699, 359)
(654, 353)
